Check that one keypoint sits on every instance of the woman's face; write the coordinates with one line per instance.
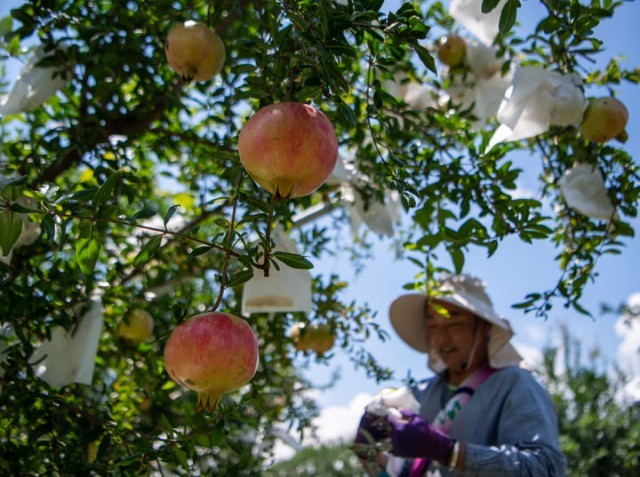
(452, 334)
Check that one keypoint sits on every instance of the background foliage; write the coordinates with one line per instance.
(133, 178)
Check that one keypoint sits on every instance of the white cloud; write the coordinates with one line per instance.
(532, 354)
(523, 192)
(334, 424)
(537, 332)
(628, 354)
(339, 423)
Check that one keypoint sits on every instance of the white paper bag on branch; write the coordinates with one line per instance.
(34, 85)
(70, 356)
(485, 94)
(583, 189)
(378, 217)
(419, 96)
(287, 289)
(485, 26)
(537, 99)
(339, 174)
(482, 60)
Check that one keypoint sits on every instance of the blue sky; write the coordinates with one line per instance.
(510, 274)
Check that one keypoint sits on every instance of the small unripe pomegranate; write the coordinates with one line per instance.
(289, 149)
(137, 326)
(212, 354)
(318, 338)
(605, 119)
(194, 51)
(451, 50)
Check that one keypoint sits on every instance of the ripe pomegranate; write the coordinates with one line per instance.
(451, 50)
(212, 354)
(604, 119)
(318, 338)
(137, 326)
(289, 149)
(194, 51)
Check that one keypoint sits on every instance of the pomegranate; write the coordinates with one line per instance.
(211, 353)
(318, 338)
(451, 50)
(604, 119)
(289, 149)
(194, 51)
(137, 326)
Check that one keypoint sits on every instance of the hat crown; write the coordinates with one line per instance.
(465, 285)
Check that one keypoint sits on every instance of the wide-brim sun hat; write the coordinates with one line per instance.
(407, 314)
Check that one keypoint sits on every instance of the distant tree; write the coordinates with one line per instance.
(335, 460)
(599, 432)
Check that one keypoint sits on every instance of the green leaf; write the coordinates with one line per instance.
(145, 213)
(87, 248)
(169, 214)
(106, 190)
(548, 25)
(21, 209)
(148, 250)
(508, 15)
(6, 25)
(488, 5)
(81, 195)
(425, 57)
(240, 277)
(293, 260)
(12, 190)
(199, 250)
(458, 259)
(10, 229)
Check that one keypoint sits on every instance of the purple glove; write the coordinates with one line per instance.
(372, 429)
(413, 436)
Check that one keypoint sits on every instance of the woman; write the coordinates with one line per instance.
(481, 414)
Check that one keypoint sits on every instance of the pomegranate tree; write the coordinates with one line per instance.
(194, 51)
(289, 149)
(211, 353)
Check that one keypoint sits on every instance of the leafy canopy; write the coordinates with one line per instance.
(129, 181)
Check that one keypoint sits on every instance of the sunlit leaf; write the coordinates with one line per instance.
(293, 260)
(87, 247)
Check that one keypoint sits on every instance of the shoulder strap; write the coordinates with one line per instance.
(445, 417)
(460, 397)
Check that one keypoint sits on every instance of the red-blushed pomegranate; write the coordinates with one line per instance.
(289, 149)
(194, 51)
(212, 354)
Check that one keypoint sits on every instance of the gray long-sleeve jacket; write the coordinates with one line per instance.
(509, 426)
